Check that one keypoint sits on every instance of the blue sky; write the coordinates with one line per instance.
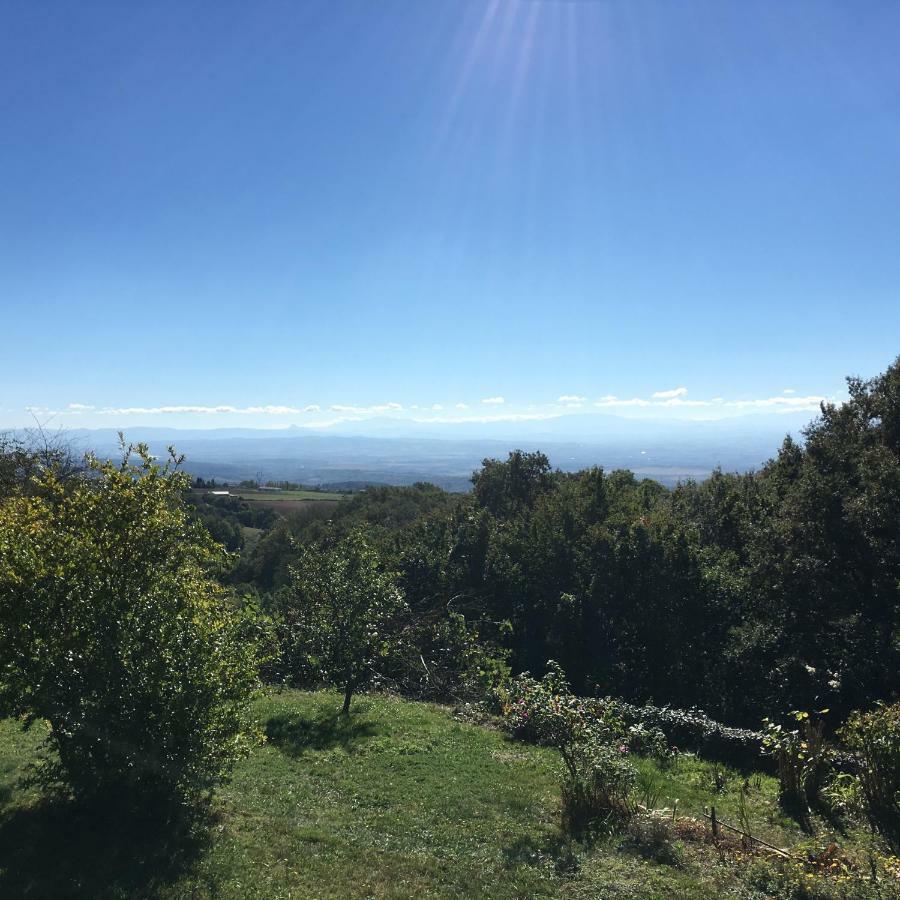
(294, 213)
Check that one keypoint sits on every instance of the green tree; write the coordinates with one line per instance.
(506, 488)
(113, 631)
(339, 614)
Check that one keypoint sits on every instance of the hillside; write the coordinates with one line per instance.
(401, 800)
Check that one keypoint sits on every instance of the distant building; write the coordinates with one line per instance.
(266, 487)
(220, 493)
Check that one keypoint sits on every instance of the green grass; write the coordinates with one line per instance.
(401, 800)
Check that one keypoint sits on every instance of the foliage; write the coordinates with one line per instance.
(444, 658)
(113, 631)
(598, 779)
(653, 837)
(508, 488)
(340, 615)
(598, 785)
(801, 756)
(546, 712)
(693, 730)
(875, 737)
(694, 598)
(25, 455)
(648, 742)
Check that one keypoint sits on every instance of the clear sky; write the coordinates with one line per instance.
(285, 213)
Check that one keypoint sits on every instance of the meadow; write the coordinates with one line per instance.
(400, 799)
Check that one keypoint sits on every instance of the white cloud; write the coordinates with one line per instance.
(667, 395)
(680, 401)
(164, 410)
(612, 400)
(271, 410)
(811, 402)
(672, 402)
(267, 410)
(366, 410)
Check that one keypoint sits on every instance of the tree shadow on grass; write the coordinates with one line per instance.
(57, 848)
(294, 734)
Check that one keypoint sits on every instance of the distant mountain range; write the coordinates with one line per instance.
(400, 452)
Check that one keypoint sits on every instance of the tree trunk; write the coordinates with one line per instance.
(348, 693)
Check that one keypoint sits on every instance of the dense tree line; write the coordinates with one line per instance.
(744, 594)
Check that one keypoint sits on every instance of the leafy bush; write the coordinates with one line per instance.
(597, 785)
(598, 778)
(648, 742)
(801, 756)
(445, 658)
(875, 738)
(547, 712)
(842, 794)
(113, 631)
(693, 730)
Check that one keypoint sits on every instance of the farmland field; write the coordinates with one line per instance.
(286, 502)
(283, 496)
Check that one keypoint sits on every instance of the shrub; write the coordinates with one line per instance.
(597, 784)
(693, 730)
(113, 631)
(842, 794)
(648, 742)
(801, 756)
(653, 838)
(875, 738)
(598, 778)
(445, 658)
(547, 712)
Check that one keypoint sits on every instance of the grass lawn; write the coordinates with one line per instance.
(401, 800)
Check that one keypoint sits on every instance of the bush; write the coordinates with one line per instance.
(802, 757)
(875, 739)
(648, 742)
(444, 658)
(597, 785)
(598, 778)
(113, 631)
(547, 712)
(653, 838)
(693, 730)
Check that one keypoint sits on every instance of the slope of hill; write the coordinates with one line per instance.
(401, 800)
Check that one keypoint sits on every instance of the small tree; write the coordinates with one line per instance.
(338, 614)
(114, 632)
